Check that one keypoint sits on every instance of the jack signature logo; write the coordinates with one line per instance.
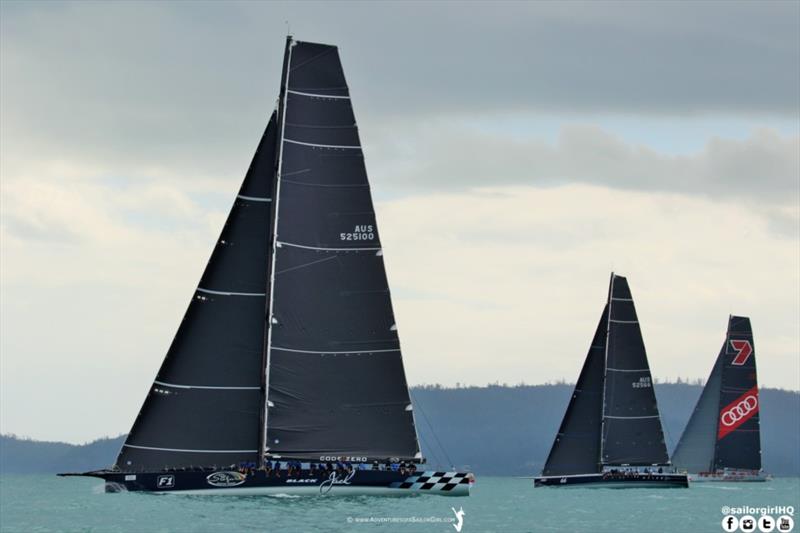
(328, 484)
(460, 517)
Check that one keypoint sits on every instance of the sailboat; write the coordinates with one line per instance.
(722, 441)
(611, 434)
(285, 375)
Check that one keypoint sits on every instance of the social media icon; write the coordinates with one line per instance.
(730, 523)
(785, 523)
(747, 523)
(766, 524)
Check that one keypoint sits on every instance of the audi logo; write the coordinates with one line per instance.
(740, 410)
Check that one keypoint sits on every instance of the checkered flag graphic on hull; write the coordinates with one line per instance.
(433, 481)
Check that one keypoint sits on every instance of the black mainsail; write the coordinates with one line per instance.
(724, 429)
(611, 432)
(203, 407)
(337, 386)
(632, 433)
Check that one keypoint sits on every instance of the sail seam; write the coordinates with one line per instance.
(212, 387)
(186, 450)
(624, 321)
(316, 145)
(315, 95)
(254, 198)
(331, 352)
(629, 370)
(284, 243)
(227, 293)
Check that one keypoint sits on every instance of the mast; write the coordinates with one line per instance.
(605, 371)
(287, 59)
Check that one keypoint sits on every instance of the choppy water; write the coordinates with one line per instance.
(47, 503)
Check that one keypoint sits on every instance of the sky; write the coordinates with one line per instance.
(518, 153)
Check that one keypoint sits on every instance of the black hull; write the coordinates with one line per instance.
(228, 482)
(650, 481)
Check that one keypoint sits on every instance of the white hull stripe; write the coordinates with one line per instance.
(176, 386)
(630, 417)
(633, 370)
(254, 198)
(189, 451)
(313, 95)
(315, 145)
(624, 321)
(284, 243)
(329, 352)
(225, 293)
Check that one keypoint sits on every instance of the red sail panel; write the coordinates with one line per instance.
(738, 412)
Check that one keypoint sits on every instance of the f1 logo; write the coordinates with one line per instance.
(743, 351)
(165, 482)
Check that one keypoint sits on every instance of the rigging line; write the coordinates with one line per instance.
(434, 455)
(307, 264)
(433, 431)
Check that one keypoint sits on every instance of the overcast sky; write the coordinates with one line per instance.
(518, 153)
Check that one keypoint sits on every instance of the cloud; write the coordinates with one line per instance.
(165, 79)
(763, 168)
(502, 283)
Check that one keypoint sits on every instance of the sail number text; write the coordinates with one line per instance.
(362, 232)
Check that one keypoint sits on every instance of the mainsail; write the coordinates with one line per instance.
(337, 386)
(576, 449)
(724, 430)
(632, 433)
(203, 407)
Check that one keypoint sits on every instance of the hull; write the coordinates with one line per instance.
(317, 483)
(730, 476)
(650, 481)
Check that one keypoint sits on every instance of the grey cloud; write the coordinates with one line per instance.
(192, 83)
(763, 169)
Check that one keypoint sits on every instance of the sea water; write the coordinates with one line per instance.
(40, 503)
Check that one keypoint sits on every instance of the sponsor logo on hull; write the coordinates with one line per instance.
(226, 479)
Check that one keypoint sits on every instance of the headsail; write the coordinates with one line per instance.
(632, 432)
(576, 449)
(203, 407)
(337, 386)
(696, 447)
(738, 429)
